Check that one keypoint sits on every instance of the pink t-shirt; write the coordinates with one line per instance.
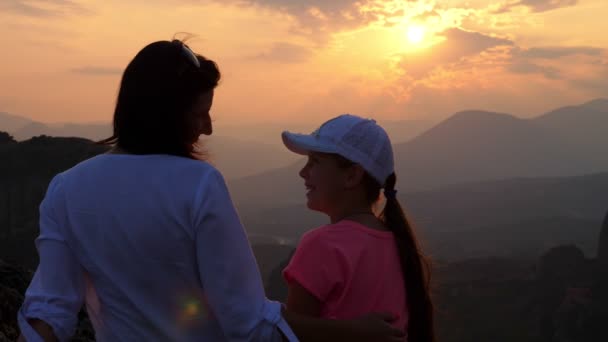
(352, 269)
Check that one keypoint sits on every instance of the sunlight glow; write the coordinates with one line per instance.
(415, 34)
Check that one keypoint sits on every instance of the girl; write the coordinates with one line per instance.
(359, 262)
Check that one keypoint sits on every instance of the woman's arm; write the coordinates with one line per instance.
(56, 293)
(301, 301)
(302, 308)
(374, 327)
(228, 270)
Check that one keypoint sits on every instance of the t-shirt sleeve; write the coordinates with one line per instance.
(317, 265)
(56, 293)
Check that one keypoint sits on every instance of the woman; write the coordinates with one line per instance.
(147, 236)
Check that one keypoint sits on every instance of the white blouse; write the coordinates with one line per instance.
(152, 244)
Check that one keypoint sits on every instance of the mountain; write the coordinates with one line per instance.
(88, 131)
(25, 172)
(521, 240)
(270, 133)
(235, 157)
(475, 145)
(510, 218)
(6, 138)
(238, 158)
(269, 256)
(259, 148)
(584, 126)
(467, 206)
(24, 128)
(472, 146)
(602, 247)
(401, 131)
(11, 123)
(269, 189)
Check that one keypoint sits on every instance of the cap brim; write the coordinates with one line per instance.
(304, 143)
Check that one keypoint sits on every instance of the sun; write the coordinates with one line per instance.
(415, 34)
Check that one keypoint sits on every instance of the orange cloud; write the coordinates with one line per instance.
(286, 58)
(44, 8)
(285, 52)
(537, 5)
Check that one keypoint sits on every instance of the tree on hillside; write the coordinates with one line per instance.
(6, 138)
(600, 286)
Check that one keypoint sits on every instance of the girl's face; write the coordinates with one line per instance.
(325, 182)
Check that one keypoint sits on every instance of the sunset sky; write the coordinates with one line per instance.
(288, 60)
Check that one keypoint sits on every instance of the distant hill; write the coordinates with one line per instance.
(238, 158)
(522, 240)
(25, 171)
(269, 256)
(270, 188)
(509, 218)
(24, 128)
(584, 126)
(235, 157)
(11, 123)
(88, 131)
(270, 133)
(473, 146)
(476, 146)
(6, 138)
(466, 206)
(475, 172)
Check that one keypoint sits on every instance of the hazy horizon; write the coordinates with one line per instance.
(218, 121)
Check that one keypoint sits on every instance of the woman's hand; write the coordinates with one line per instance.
(376, 327)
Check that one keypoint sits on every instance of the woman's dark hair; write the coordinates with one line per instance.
(154, 109)
(416, 267)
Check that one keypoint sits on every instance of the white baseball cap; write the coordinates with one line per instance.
(359, 140)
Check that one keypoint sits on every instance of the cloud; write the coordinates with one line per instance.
(555, 62)
(310, 12)
(526, 67)
(469, 63)
(460, 43)
(537, 5)
(426, 15)
(560, 51)
(457, 46)
(284, 52)
(43, 8)
(318, 18)
(467, 55)
(96, 71)
(547, 5)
